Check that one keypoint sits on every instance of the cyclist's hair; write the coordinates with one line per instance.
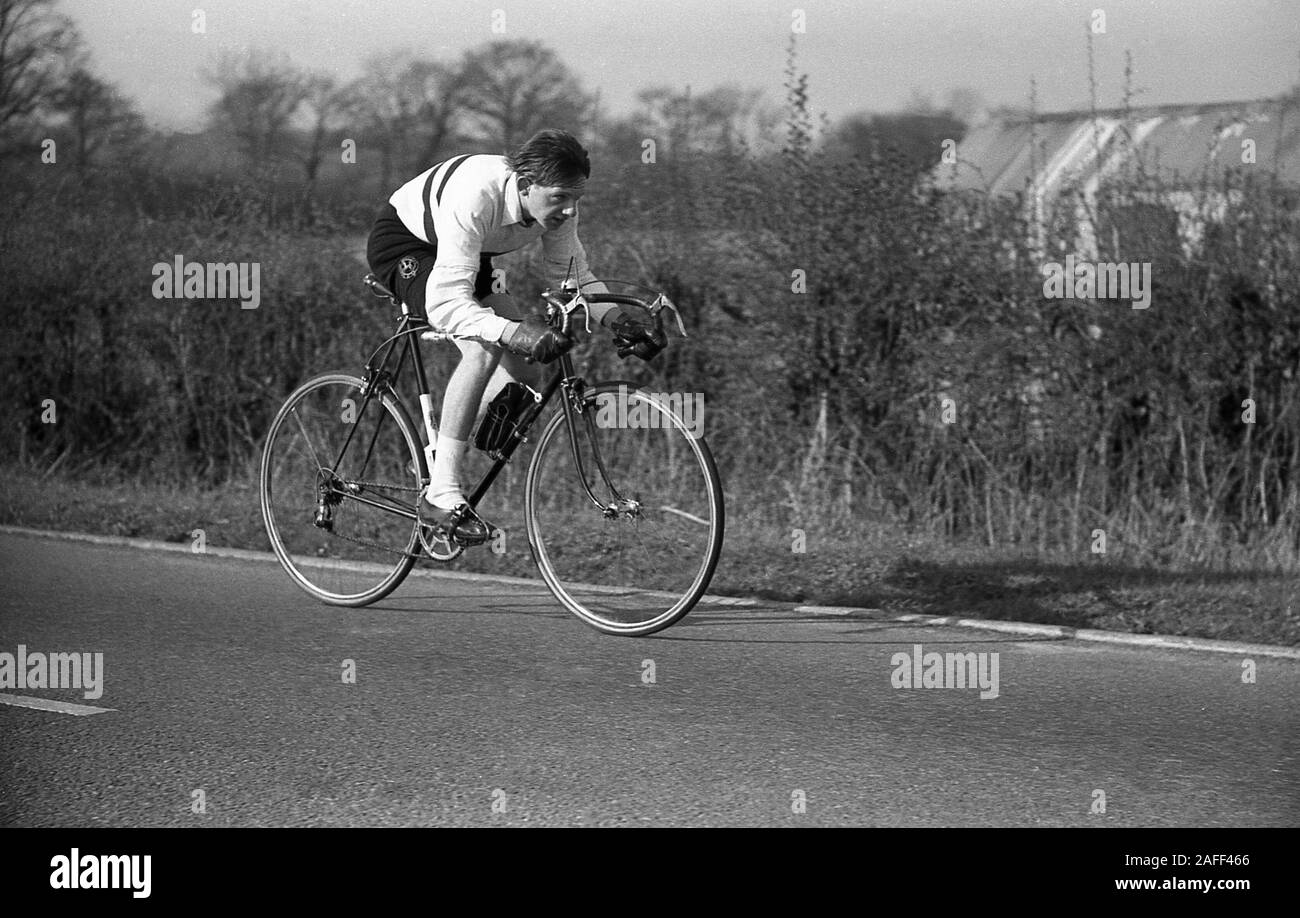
(552, 158)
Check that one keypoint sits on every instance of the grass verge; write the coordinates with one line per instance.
(860, 567)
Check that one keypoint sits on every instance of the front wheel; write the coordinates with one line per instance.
(630, 542)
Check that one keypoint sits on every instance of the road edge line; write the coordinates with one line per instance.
(1160, 641)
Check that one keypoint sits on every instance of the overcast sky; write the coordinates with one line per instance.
(868, 55)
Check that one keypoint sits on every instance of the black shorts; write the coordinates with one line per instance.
(402, 261)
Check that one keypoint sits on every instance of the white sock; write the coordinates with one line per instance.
(445, 490)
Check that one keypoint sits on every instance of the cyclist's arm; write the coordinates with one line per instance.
(449, 295)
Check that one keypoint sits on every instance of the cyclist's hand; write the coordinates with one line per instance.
(632, 337)
(538, 341)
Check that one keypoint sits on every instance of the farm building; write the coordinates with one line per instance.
(1182, 159)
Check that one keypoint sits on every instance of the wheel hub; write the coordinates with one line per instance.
(623, 507)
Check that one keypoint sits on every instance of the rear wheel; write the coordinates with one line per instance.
(630, 545)
(341, 475)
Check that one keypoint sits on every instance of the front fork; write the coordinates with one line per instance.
(576, 414)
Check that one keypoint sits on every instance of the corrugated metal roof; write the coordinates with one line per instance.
(1181, 144)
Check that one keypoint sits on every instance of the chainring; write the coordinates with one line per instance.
(439, 548)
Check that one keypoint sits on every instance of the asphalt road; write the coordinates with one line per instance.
(481, 703)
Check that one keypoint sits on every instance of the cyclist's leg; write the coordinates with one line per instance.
(460, 404)
(410, 266)
(511, 367)
(405, 264)
(460, 410)
(483, 370)
(462, 401)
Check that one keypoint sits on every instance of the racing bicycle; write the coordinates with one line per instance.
(623, 505)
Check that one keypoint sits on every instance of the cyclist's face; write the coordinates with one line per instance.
(553, 205)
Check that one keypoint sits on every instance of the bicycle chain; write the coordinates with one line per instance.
(393, 551)
(390, 487)
(454, 549)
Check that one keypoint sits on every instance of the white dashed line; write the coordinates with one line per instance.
(46, 704)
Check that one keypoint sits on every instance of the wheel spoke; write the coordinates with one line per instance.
(307, 438)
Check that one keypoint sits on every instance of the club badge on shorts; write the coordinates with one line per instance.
(407, 267)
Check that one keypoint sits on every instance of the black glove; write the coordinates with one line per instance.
(537, 340)
(631, 337)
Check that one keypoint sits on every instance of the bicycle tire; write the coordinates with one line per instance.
(327, 444)
(640, 570)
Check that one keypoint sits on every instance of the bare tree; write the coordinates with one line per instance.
(441, 91)
(722, 120)
(327, 108)
(408, 110)
(513, 89)
(382, 113)
(36, 45)
(260, 95)
(96, 116)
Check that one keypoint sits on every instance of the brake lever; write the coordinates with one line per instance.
(657, 308)
(567, 309)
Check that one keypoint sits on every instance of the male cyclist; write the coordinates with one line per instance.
(432, 244)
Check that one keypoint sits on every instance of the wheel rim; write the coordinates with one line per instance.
(365, 551)
(642, 564)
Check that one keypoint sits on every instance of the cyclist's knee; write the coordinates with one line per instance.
(479, 356)
(520, 370)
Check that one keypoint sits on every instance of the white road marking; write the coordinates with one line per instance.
(47, 704)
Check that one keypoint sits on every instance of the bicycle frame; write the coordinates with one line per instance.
(379, 379)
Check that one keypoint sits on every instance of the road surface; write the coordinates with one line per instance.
(225, 702)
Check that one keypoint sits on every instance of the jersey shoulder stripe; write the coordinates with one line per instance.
(429, 204)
